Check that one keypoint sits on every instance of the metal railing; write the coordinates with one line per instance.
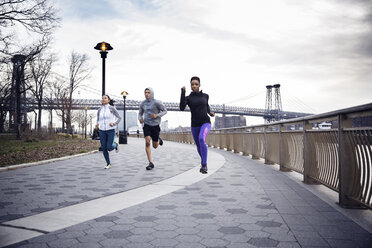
(339, 158)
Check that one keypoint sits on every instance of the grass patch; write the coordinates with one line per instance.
(31, 149)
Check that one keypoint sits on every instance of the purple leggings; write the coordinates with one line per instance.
(200, 134)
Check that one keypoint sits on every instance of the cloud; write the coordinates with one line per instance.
(318, 50)
(86, 10)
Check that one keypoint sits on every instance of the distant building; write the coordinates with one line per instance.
(229, 121)
(362, 121)
(182, 129)
(130, 122)
(164, 126)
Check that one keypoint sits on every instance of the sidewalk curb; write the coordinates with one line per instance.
(18, 166)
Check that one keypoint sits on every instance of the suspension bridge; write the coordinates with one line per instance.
(268, 113)
(94, 104)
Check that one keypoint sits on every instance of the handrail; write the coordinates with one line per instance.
(339, 158)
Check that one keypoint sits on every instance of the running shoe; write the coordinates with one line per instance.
(160, 141)
(150, 166)
(108, 166)
(204, 169)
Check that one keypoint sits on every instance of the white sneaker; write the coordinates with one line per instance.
(108, 166)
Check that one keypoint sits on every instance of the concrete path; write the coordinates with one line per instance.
(244, 203)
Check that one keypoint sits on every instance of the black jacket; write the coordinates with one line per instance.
(199, 107)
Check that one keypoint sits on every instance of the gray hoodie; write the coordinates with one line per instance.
(151, 106)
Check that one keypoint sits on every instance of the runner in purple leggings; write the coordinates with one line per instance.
(200, 121)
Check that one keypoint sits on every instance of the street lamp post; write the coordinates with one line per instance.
(103, 47)
(123, 139)
(85, 123)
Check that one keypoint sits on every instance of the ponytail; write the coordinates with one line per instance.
(111, 102)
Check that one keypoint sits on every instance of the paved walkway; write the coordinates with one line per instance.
(240, 203)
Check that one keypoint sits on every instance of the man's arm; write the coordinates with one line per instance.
(162, 109)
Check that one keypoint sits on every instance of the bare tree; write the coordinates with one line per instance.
(19, 17)
(58, 98)
(40, 70)
(79, 71)
(37, 16)
(80, 119)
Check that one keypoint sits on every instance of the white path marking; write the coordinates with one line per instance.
(68, 216)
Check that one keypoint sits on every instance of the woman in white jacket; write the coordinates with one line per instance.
(107, 120)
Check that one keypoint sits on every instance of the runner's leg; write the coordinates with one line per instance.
(103, 140)
(204, 130)
(195, 134)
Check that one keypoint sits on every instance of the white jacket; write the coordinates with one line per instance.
(105, 115)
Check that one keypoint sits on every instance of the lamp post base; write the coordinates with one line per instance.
(123, 138)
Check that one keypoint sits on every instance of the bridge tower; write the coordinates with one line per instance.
(268, 105)
(18, 92)
(273, 114)
(278, 101)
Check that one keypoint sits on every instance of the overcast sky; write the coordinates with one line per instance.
(320, 51)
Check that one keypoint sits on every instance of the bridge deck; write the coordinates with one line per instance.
(94, 104)
(240, 203)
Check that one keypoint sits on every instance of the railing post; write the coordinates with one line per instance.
(307, 153)
(238, 140)
(218, 138)
(348, 175)
(266, 145)
(281, 150)
(221, 141)
(214, 138)
(228, 140)
(254, 144)
(245, 142)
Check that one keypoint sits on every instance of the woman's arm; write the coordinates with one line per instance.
(208, 108)
(98, 113)
(183, 101)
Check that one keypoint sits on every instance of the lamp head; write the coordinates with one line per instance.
(103, 46)
(124, 93)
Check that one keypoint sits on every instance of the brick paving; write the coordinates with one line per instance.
(244, 204)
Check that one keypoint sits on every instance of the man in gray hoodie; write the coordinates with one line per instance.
(150, 113)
